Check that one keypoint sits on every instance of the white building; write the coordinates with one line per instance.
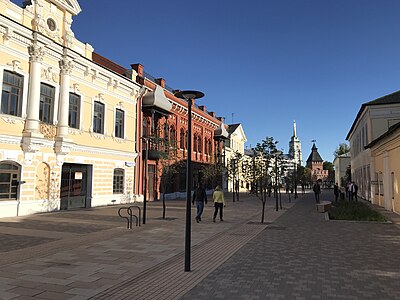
(373, 119)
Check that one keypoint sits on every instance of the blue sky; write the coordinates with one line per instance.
(266, 62)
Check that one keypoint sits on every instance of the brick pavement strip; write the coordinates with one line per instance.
(172, 281)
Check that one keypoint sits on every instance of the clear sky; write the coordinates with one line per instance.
(261, 63)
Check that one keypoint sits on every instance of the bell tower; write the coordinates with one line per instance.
(295, 146)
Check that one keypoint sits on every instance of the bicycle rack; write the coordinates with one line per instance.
(135, 206)
(131, 216)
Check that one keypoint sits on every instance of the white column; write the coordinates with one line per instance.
(36, 57)
(63, 111)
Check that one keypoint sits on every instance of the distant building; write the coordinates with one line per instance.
(341, 163)
(373, 119)
(295, 153)
(315, 163)
(234, 145)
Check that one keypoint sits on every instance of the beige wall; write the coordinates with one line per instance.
(41, 155)
(386, 156)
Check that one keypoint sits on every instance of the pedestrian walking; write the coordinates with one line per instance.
(200, 197)
(317, 191)
(336, 191)
(219, 202)
(350, 189)
(355, 190)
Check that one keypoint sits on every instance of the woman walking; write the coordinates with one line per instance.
(219, 202)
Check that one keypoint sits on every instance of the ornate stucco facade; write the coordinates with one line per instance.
(67, 125)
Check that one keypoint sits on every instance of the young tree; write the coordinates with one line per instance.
(233, 169)
(266, 150)
(169, 165)
(327, 165)
(343, 148)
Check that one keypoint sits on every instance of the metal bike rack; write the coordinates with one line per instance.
(138, 208)
(129, 219)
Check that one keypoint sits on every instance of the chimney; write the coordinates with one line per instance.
(212, 114)
(220, 119)
(138, 68)
(202, 107)
(160, 82)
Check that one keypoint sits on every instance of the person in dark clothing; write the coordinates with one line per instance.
(200, 197)
(336, 191)
(355, 190)
(317, 191)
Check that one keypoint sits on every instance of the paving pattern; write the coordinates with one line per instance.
(310, 258)
(295, 254)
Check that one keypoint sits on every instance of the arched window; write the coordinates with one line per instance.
(182, 139)
(10, 173)
(118, 181)
(199, 144)
(195, 143)
(172, 136)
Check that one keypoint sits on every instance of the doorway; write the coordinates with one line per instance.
(75, 191)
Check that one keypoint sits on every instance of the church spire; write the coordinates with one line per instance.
(294, 129)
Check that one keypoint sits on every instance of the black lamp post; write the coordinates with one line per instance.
(189, 96)
(146, 158)
(277, 154)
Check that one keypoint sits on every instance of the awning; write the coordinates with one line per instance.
(157, 100)
(221, 132)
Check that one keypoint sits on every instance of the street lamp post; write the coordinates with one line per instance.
(189, 96)
(146, 158)
(277, 153)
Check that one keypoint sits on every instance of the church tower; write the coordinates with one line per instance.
(295, 147)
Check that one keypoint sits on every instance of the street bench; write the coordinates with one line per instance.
(323, 206)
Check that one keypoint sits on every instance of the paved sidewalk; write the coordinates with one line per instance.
(306, 257)
(296, 254)
(90, 253)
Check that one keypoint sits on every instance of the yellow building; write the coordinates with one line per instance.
(67, 125)
(385, 152)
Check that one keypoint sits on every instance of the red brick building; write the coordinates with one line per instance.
(163, 125)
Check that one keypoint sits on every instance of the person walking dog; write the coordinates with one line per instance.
(219, 202)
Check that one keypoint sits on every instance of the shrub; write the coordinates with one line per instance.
(356, 211)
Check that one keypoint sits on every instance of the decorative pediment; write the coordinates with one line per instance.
(69, 5)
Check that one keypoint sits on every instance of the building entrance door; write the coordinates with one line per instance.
(151, 183)
(74, 186)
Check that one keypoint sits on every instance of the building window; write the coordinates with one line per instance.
(182, 139)
(9, 178)
(172, 137)
(199, 144)
(119, 123)
(98, 117)
(47, 93)
(11, 95)
(74, 110)
(118, 182)
(146, 127)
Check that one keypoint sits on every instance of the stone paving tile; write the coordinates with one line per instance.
(10, 242)
(339, 261)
